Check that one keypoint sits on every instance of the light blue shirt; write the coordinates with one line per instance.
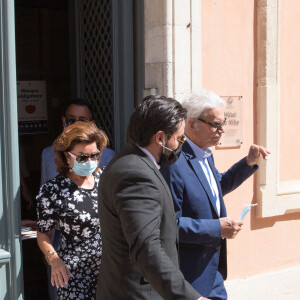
(48, 166)
(202, 155)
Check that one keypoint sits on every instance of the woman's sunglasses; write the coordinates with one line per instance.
(82, 158)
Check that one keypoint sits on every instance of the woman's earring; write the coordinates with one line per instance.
(70, 169)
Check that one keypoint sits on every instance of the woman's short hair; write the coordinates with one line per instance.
(79, 132)
(199, 102)
(155, 113)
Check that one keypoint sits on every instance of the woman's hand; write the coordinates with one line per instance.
(59, 271)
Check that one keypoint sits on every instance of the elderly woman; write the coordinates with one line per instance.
(68, 202)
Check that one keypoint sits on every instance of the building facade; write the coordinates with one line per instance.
(245, 49)
(109, 52)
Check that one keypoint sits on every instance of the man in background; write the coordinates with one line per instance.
(77, 110)
(198, 189)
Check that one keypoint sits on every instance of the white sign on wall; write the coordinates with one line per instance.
(233, 135)
(32, 106)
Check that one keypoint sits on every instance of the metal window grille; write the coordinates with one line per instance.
(96, 60)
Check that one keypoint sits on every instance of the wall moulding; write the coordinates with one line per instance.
(173, 46)
(274, 197)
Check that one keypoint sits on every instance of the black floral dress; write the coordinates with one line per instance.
(73, 210)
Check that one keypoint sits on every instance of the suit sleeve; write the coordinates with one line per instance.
(138, 204)
(235, 176)
(205, 232)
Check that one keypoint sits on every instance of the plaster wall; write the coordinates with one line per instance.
(173, 46)
(158, 46)
(229, 68)
(289, 90)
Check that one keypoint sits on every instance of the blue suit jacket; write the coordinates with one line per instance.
(202, 251)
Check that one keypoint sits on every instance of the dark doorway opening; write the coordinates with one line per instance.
(42, 55)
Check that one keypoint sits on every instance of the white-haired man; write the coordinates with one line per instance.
(198, 190)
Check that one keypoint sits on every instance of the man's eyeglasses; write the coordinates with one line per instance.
(216, 125)
(180, 139)
(84, 157)
(70, 121)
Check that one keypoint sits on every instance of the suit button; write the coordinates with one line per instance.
(217, 248)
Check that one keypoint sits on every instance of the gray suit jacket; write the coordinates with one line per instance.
(139, 233)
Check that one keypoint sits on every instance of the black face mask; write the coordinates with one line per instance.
(166, 160)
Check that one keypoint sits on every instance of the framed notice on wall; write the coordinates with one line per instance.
(32, 107)
(233, 135)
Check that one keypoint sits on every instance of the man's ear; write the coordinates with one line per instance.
(159, 135)
(190, 124)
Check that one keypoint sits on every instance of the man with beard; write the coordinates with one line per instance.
(139, 232)
(198, 189)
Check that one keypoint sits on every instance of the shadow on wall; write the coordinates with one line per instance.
(259, 223)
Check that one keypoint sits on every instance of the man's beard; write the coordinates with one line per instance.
(166, 160)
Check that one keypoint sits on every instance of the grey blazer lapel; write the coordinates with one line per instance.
(151, 164)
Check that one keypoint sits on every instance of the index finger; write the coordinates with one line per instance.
(263, 151)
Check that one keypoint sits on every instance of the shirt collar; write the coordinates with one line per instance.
(201, 154)
(150, 156)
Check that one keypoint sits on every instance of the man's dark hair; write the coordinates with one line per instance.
(155, 113)
(81, 102)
